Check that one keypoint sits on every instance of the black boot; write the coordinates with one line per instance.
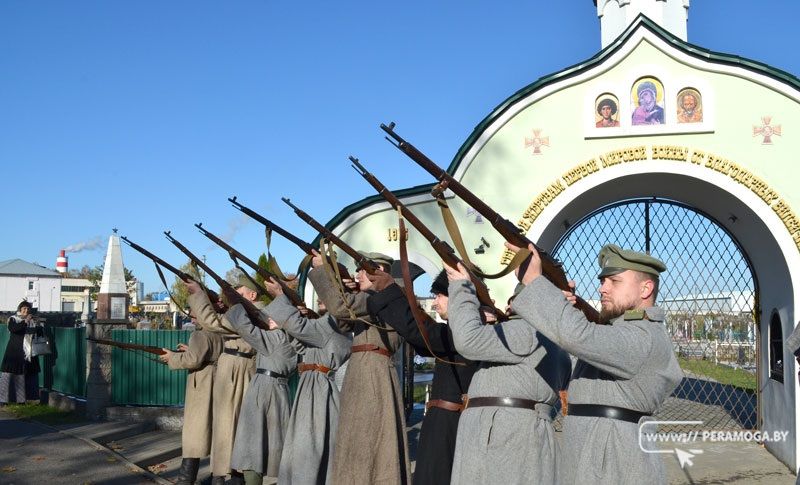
(236, 478)
(188, 472)
(215, 480)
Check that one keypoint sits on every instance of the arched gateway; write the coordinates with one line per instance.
(650, 117)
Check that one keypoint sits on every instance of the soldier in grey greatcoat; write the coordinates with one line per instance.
(624, 372)
(265, 411)
(235, 368)
(308, 450)
(505, 434)
(199, 357)
(371, 441)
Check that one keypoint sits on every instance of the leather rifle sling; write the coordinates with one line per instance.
(408, 289)
(455, 235)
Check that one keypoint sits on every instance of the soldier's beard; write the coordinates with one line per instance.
(608, 314)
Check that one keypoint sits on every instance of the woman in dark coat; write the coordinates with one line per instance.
(18, 360)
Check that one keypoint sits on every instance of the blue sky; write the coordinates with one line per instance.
(147, 115)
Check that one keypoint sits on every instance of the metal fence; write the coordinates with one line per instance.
(708, 292)
(65, 369)
(139, 378)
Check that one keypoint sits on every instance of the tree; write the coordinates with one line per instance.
(180, 295)
(95, 276)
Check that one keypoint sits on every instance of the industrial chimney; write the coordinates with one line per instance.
(62, 265)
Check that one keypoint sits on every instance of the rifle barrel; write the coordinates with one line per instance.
(303, 245)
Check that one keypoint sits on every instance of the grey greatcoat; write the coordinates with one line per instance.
(371, 441)
(231, 378)
(501, 444)
(628, 364)
(203, 352)
(308, 449)
(265, 410)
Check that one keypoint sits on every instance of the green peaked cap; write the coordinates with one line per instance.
(614, 260)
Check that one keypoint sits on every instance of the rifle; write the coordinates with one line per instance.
(233, 253)
(212, 296)
(551, 268)
(441, 247)
(304, 246)
(227, 289)
(126, 346)
(364, 263)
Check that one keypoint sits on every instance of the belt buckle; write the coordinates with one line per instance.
(465, 401)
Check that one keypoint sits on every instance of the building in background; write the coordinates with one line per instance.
(75, 295)
(23, 280)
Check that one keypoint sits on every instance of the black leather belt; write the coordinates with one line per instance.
(235, 352)
(270, 373)
(504, 402)
(600, 411)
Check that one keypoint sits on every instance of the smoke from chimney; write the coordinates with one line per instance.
(94, 243)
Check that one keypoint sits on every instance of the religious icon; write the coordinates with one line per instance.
(690, 106)
(647, 96)
(607, 113)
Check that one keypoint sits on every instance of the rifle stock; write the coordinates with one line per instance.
(227, 289)
(551, 268)
(364, 263)
(127, 346)
(290, 293)
(441, 247)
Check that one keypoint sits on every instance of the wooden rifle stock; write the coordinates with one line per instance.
(364, 263)
(290, 293)
(227, 289)
(551, 268)
(126, 346)
(441, 247)
(180, 274)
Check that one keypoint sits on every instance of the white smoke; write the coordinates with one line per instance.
(234, 226)
(94, 243)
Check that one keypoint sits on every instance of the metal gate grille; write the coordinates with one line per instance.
(708, 293)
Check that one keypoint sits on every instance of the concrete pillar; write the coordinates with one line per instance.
(98, 368)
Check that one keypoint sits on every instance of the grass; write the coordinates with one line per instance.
(419, 393)
(721, 373)
(43, 414)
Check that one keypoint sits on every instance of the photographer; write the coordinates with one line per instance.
(18, 360)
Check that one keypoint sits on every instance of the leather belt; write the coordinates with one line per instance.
(270, 373)
(316, 367)
(446, 405)
(235, 352)
(370, 348)
(504, 402)
(601, 411)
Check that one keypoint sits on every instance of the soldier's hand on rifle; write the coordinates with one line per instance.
(303, 310)
(534, 268)
(193, 287)
(165, 356)
(488, 315)
(316, 260)
(273, 325)
(273, 287)
(350, 285)
(380, 280)
(456, 274)
(570, 295)
(182, 347)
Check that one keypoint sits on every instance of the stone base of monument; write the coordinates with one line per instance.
(98, 366)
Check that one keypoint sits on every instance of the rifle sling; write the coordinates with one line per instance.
(408, 290)
(331, 266)
(164, 282)
(455, 235)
